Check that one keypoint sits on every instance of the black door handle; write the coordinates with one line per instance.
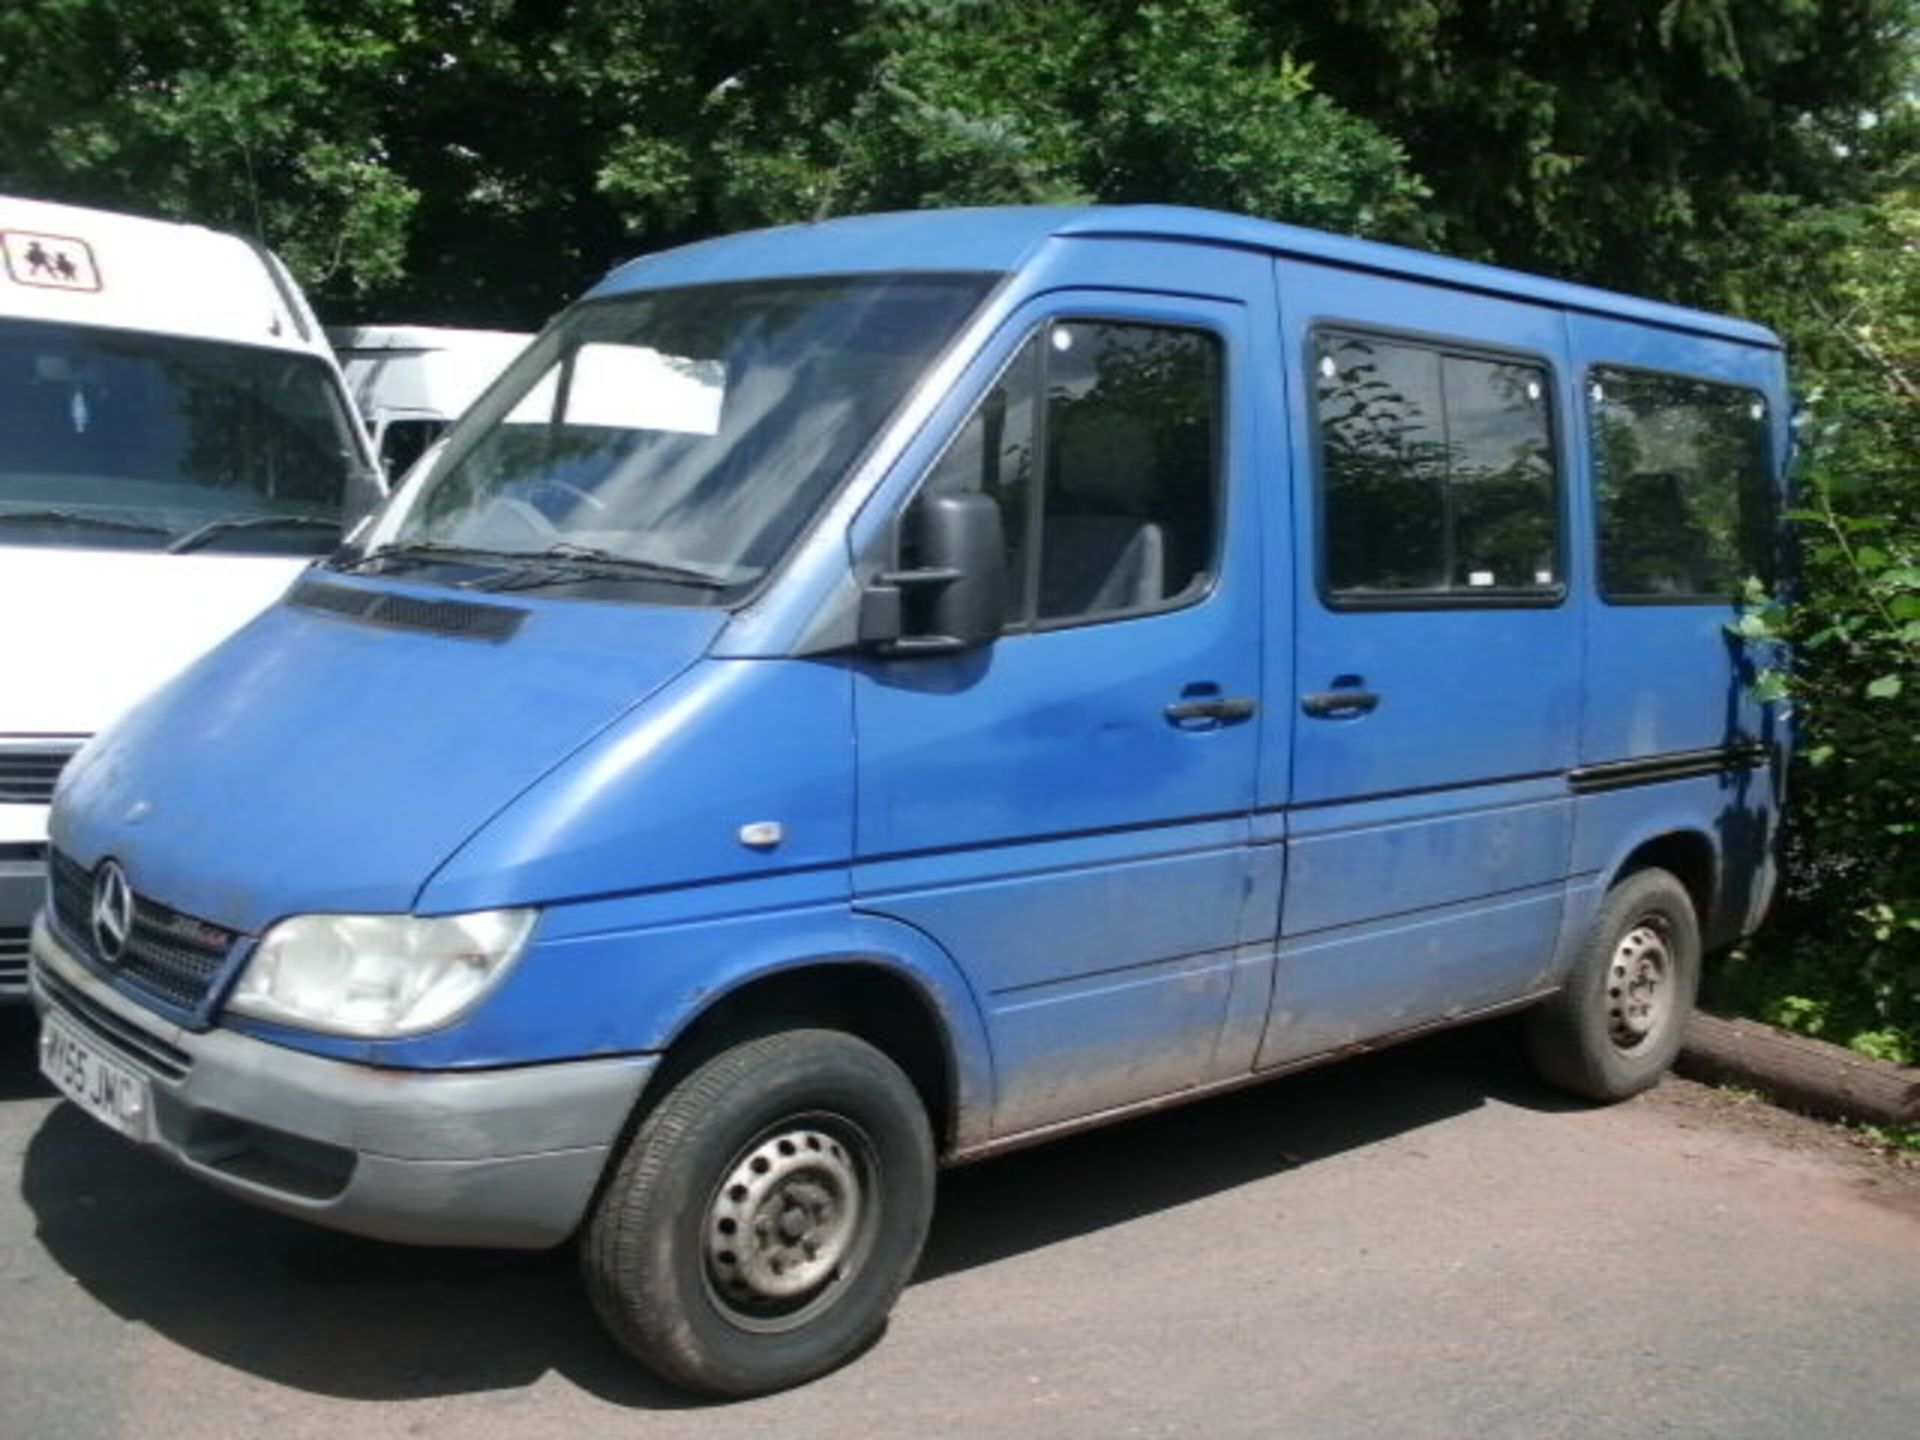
(1325, 703)
(1212, 707)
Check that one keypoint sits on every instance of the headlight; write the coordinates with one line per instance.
(378, 975)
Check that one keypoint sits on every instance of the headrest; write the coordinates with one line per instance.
(1105, 461)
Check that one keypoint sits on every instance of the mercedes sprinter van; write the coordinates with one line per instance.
(866, 695)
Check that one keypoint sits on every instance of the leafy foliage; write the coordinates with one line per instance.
(1842, 957)
(481, 161)
(1620, 142)
(248, 114)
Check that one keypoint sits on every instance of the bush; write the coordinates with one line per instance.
(1841, 957)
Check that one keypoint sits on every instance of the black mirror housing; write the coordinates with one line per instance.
(953, 596)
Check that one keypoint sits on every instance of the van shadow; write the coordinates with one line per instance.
(20, 1077)
(358, 1319)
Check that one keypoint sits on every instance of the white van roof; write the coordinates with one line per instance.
(75, 265)
(423, 369)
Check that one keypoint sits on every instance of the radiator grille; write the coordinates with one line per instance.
(13, 959)
(29, 771)
(122, 1037)
(174, 956)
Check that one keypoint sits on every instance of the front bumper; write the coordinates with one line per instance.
(502, 1157)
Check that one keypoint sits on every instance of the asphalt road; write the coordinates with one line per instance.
(1423, 1243)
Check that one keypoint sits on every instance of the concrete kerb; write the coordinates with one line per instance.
(1799, 1072)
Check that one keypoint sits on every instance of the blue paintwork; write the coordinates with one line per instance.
(314, 765)
(1450, 792)
(1676, 680)
(1099, 908)
(1093, 809)
(1006, 238)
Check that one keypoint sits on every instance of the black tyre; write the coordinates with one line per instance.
(765, 1215)
(1616, 1027)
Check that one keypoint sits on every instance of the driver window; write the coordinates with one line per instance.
(1108, 490)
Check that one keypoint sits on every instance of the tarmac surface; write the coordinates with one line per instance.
(1421, 1243)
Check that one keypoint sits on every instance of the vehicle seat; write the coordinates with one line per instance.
(1657, 544)
(1102, 549)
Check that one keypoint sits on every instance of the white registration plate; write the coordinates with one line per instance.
(104, 1088)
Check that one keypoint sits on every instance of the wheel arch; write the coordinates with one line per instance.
(915, 1008)
(1690, 856)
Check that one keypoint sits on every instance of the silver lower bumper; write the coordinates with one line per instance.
(506, 1157)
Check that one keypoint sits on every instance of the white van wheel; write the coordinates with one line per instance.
(765, 1215)
(1617, 1026)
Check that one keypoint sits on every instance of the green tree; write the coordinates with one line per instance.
(1618, 143)
(1842, 955)
(246, 114)
(484, 160)
(906, 103)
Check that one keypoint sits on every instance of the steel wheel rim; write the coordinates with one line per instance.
(790, 1223)
(1640, 986)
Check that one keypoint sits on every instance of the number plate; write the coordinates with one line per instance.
(105, 1089)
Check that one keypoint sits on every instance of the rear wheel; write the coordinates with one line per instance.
(1617, 1026)
(765, 1215)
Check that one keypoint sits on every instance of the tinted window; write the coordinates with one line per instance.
(143, 441)
(1437, 471)
(1109, 489)
(405, 441)
(1685, 506)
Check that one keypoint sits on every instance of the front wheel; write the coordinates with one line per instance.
(765, 1215)
(1617, 1026)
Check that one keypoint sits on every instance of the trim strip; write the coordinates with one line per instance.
(1207, 1090)
(1674, 765)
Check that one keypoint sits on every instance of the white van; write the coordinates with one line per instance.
(412, 381)
(175, 444)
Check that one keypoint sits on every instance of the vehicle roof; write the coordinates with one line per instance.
(1001, 239)
(432, 370)
(129, 272)
(423, 337)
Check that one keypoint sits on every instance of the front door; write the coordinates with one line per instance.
(1066, 810)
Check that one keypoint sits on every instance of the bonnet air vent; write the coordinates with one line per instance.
(404, 612)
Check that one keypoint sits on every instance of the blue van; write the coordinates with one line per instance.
(863, 696)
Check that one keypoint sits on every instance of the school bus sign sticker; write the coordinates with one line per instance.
(54, 262)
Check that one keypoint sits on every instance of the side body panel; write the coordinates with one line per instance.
(1030, 806)
(1670, 680)
(1429, 839)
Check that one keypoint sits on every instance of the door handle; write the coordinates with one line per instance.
(1333, 704)
(1221, 708)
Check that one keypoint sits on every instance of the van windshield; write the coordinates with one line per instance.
(112, 438)
(671, 444)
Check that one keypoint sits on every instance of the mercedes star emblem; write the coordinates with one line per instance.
(112, 911)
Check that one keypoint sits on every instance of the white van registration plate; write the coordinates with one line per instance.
(105, 1089)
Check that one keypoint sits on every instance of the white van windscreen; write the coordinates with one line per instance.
(116, 439)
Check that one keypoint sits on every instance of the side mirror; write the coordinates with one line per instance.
(951, 594)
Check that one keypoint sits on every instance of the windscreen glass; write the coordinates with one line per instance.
(149, 442)
(670, 445)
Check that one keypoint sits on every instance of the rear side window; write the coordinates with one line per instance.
(1437, 473)
(1101, 443)
(1686, 507)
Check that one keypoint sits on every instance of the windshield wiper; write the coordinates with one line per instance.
(201, 535)
(426, 552)
(565, 561)
(80, 517)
